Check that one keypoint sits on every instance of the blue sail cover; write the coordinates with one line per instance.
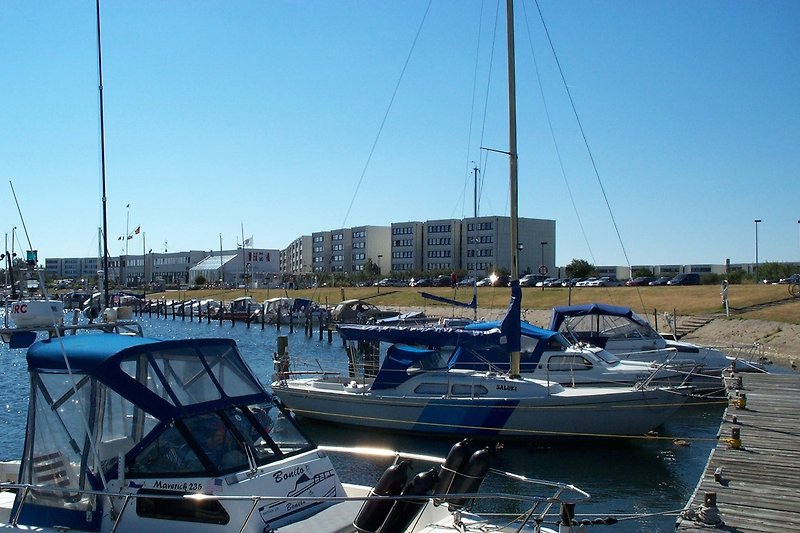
(422, 336)
(563, 312)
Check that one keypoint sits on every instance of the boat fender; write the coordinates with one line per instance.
(469, 480)
(92, 312)
(405, 511)
(456, 460)
(373, 512)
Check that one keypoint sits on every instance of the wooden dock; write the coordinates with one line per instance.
(757, 486)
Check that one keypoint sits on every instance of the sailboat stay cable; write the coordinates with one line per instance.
(24, 227)
(470, 162)
(386, 114)
(583, 134)
(553, 135)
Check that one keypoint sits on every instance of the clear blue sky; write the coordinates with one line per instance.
(263, 114)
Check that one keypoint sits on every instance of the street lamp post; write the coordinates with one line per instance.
(543, 267)
(756, 223)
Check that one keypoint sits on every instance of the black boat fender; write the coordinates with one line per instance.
(469, 480)
(373, 513)
(405, 511)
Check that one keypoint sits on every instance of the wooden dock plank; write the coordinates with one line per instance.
(759, 489)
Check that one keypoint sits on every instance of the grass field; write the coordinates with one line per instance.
(688, 300)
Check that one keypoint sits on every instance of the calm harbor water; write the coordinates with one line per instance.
(624, 477)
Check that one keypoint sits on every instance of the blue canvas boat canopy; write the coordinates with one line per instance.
(107, 358)
(561, 313)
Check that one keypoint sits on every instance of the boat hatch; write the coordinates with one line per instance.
(162, 409)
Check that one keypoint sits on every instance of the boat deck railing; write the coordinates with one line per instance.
(535, 508)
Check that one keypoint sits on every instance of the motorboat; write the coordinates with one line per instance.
(357, 311)
(284, 308)
(129, 434)
(627, 335)
(417, 390)
(241, 308)
(31, 313)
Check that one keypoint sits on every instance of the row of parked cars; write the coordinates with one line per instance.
(691, 278)
(535, 280)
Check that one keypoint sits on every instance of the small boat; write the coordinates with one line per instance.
(299, 310)
(129, 434)
(359, 312)
(30, 313)
(627, 335)
(241, 308)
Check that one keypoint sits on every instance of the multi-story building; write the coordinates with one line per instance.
(348, 250)
(406, 246)
(296, 258)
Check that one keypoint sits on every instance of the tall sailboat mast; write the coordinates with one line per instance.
(512, 155)
(102, 160)
(512, 140)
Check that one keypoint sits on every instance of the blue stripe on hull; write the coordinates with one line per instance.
(488, 419)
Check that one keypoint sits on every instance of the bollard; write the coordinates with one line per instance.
(320, 330)
(330, 335)
(291, 322)
(735, 441)
(173, 309)
(741, 401)
(247, 318)
(208, 313)
(283, 344)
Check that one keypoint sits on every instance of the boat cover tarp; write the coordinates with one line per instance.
(472, 304)
(563, 312)
(434, 336)
(398, 359)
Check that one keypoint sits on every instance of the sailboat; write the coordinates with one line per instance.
(416, 389)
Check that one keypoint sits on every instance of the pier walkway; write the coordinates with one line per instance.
(757, 485)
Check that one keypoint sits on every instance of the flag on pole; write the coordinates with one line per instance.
(248, 241)
(137, 230)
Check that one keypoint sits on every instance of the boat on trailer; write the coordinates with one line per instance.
(129, 434)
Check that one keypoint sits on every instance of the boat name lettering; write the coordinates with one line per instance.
(20, 308)
(291, 506)
(507, 387)
(281, 475)
(177, 485)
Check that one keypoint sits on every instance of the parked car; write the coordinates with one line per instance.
(530, 280)
(545, 282)
(501, 281)
(422, 282)
(794, 278)
(391, 282)
(690, 278)
(466, 282)
(607, 281)
(554, 282)
(663, 280)
(442, 281)
(570, 282)
(640, 281)
(586, 282)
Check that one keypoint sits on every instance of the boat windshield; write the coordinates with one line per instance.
(216, 443)
(587, 327)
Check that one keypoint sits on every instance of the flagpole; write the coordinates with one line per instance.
(144, 266)
(127, 227)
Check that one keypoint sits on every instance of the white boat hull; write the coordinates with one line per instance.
(570, 413)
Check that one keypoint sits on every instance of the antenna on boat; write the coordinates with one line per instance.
(102, 159)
